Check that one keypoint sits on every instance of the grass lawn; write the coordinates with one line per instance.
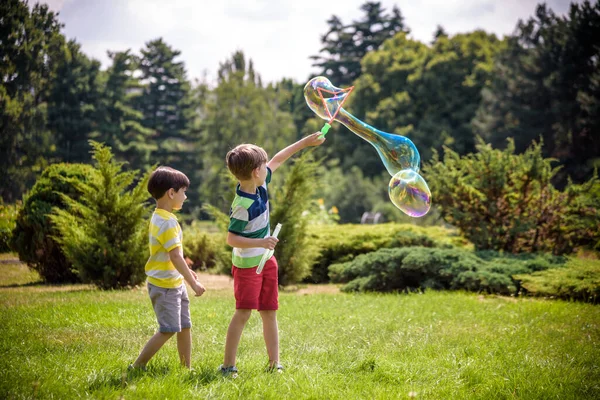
(74, 341)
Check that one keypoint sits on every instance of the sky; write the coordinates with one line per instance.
(278, 35)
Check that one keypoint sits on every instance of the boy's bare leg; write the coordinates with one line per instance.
(184, 346)
(150, 349)
(234, 334)
(271, 335)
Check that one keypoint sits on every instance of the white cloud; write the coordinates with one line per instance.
(278, 35)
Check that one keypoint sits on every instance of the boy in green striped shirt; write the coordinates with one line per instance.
(166, 268)
(249, 235)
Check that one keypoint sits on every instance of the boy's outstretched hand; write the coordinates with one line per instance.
(313, 139)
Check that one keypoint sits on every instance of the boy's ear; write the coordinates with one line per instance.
(171, 193)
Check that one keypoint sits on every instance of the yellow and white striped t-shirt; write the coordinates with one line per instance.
(165, 235)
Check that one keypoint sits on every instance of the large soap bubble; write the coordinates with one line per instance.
(408, 191)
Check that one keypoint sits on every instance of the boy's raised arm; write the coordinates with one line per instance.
(308, 141)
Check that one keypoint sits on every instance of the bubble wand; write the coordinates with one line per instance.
(327, 125)
(269, 253)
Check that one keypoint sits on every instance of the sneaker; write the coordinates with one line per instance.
(275, 368)
(229, 371)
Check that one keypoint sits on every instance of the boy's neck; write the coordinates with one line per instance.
(164, 204)
(248, 186)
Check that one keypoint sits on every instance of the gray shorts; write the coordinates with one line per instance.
(171, 306)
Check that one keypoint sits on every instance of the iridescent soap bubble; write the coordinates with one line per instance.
(396, 151)
(410, 193)
(407, 189)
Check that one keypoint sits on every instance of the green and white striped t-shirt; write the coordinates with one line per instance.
(249, 217)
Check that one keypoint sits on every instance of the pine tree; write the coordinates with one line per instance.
(105, 233)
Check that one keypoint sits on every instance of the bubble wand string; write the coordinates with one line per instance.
(327, 125)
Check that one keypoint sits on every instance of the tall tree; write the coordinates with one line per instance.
(166, 103)
(547, 83)
(27, 37)
(120, 124)
(239, 110)
(345, 45)
(73, 102)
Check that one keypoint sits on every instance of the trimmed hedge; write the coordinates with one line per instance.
(579, 280)
(342, 243)
(412, 268)
(8, 221)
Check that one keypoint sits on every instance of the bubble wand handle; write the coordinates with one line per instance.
(269, 253)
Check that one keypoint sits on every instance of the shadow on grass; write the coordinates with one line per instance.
(22, 285)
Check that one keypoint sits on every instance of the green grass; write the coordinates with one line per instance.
(74, 341)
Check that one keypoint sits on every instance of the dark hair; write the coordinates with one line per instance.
(165, 178)
(244, 159)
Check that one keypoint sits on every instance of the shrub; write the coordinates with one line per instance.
(105, 233)
(206, 250)
(33, 237)
(414, 268)
(503, 201)
(341, 243)
(578, 280)
(8, 221)
(295, 251)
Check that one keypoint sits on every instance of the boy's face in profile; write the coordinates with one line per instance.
(178, 198)
(261, 174)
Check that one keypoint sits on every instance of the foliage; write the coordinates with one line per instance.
(342, 243)
(34, 237)
(547, 83)
(578, 280)
(414, 268)
(8, 221)
(104, 233)
(28, 39)
(206, 250)
(239, 110)
(503, 201)
(295, 251)
(345, 45)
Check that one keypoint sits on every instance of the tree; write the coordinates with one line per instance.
(27, 38)
(104, 233)
(345, 45)
(120, 124)
(239, 110)
(165, 103)
(547, 83)
(72, 101)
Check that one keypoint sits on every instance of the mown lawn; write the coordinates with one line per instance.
(74, 341)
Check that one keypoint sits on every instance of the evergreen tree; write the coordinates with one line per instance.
(104, 233)
(73, 101)
(345, 45)
(165, 103)
(546, 84)
(27, 37)
(120, 124)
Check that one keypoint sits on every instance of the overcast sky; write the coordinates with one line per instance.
(279, 35)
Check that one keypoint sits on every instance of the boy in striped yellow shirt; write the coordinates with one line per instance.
(166, 268)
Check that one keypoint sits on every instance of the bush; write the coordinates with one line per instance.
(105, 233)
(503, 201)
(341, 243)
(295, 251)
(8, 221)
(415, 268)
(578, 280)
(34, 235)
(206, 250)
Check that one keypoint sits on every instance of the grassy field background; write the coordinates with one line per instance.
(75, 341)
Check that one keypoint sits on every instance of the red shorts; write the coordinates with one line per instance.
(256, 291)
